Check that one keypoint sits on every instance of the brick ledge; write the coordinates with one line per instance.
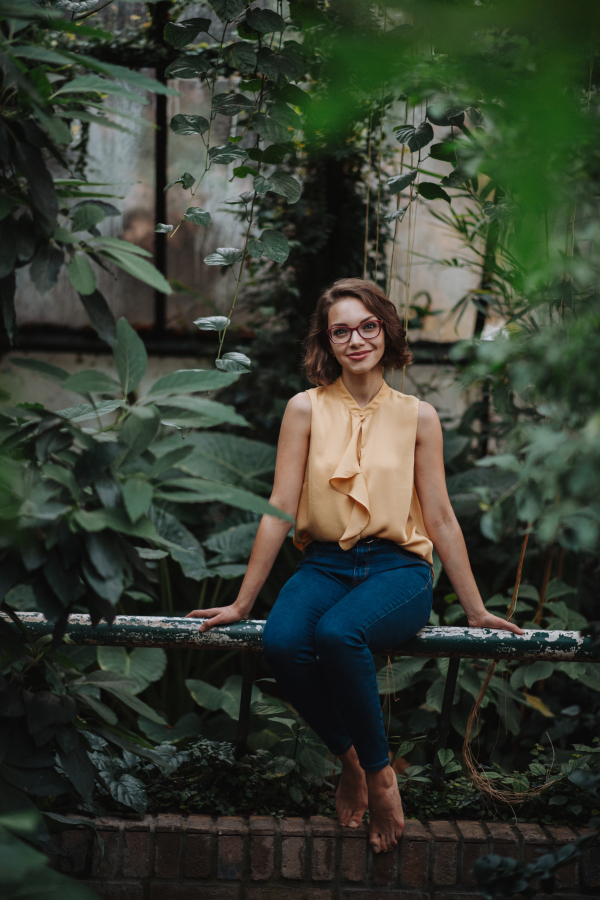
(172, 857)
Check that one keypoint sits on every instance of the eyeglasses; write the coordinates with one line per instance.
(341, 334)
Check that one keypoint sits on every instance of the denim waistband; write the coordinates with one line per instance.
(367, 543)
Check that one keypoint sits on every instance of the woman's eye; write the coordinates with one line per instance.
(369, 326)
(340, 332)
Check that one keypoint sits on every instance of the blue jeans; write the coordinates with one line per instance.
(338, 608)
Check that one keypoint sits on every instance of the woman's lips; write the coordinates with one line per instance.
(360, 355)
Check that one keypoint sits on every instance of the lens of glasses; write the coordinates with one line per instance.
(369, 329)
(341, 335)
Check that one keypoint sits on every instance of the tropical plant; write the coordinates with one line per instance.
(47, 221)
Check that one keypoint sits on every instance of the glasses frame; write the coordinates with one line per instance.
(379, 322)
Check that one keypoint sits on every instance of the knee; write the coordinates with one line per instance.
(279, 644)
(331, 640)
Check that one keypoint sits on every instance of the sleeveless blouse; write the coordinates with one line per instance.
(359, 480)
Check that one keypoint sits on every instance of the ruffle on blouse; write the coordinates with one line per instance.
(348, 479)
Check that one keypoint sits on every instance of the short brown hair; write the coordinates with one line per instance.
(320, 366)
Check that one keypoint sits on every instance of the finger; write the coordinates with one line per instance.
(210, 623)
(201, 613)
(510, 626)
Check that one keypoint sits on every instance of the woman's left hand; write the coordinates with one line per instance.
(488, 620)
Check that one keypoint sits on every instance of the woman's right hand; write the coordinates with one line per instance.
(220, 615)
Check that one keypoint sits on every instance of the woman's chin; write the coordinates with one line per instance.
(359, 366)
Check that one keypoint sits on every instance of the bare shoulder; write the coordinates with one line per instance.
(299, 404)
(428, 422)
(298, 413)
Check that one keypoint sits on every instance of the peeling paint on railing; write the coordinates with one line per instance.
(475, 643)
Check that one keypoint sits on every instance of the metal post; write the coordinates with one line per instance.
(442, 741)
(241, 741)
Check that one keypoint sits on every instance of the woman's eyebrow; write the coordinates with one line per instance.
(337, 324)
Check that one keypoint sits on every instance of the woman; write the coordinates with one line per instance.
(360, 467)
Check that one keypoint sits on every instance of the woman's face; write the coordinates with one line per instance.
(362, 352)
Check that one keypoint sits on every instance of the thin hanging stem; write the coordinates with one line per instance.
(246, 239)
(368, 192)
(379, 186)
(410, 247)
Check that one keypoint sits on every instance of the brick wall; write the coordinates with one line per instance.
(170, 857)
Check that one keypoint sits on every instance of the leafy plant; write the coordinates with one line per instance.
(44, 93)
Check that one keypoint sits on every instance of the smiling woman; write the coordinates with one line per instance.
(360, 467)
(323, 352)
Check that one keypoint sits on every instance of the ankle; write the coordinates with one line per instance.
(349, 760)
(382, 778)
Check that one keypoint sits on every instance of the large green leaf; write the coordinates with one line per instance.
(45, 267)
(198, 490)
(265, 20)
(197, 216)
(416, 138)
(84, 84)
(180, 34)
(139, 429)
(233, 544)
(186, 181)
(399, 675)
(270, 128)
(399, 182)
(233, 362)
(100, 316)
(130, 356)
(212, 323)
(280, 67)
(227, 458)
(224, 256)
(187, 726)
(279, 183)
(137, 496)
(275, 245)
(226, 698)
(225, 154)
(81, 274)
(109, 587)
(91, 381)
(46, 370)
(188, 66)
(143, 665)
(184, 547)
(241, 56)
(227, 9)
(129, 699)
(188, 381)
(87, 216)
(537, 671)
(115, 520)
(185, 125)
(231, 104)
(197, 409)
(431, 191)
(139, 268)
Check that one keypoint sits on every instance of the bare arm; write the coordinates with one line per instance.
(441, 523)
(292, 452)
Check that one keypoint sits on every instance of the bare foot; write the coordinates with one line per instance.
(385, 810)
(351, 794)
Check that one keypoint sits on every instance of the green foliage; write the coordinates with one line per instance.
(40, 226)
(24, 870)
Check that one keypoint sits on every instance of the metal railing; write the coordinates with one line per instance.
(455, 643)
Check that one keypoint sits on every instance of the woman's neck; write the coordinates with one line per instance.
(365, 386)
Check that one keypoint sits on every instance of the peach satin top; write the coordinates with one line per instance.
(359, 479)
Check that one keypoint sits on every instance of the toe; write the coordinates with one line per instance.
(375, 843)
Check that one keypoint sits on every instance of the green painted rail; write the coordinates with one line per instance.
(440, 641)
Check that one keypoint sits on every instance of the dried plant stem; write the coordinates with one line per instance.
(479, 781)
